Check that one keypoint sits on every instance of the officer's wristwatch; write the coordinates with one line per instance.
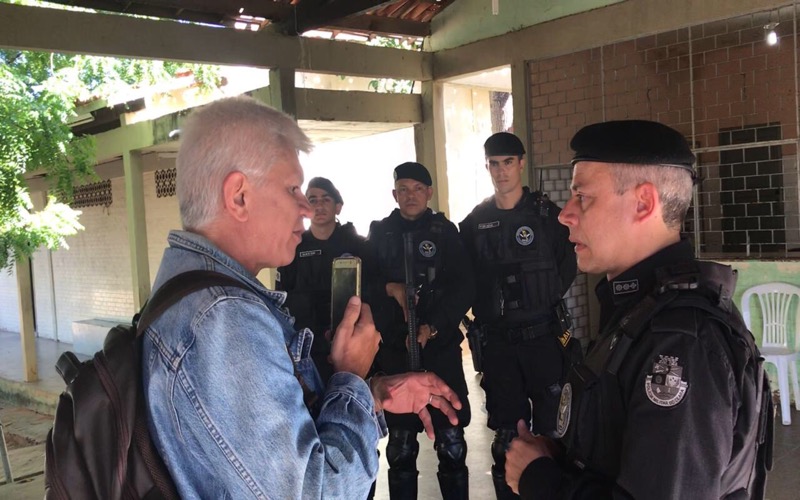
(434, 332)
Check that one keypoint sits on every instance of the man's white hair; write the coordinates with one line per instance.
(229, 135)
(674, 186)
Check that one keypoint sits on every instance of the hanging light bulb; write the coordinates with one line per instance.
(770, 35)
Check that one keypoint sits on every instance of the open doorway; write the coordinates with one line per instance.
(475, 106)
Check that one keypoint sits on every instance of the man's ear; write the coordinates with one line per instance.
(430, 193)
(338, 208)
(394, 194)
(235, 195)
(647, 201)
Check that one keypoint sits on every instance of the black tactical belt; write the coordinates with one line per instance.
(523, 333)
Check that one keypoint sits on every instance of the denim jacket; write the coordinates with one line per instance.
(225, 409)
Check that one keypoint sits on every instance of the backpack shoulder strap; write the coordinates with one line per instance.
(178, 287)
(181, 285)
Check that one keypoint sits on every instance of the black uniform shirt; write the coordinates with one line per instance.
(672, 423)
(307, 279)
(489, 236)
(450, 294)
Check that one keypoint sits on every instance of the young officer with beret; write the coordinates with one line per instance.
(671, 400)
(308, 278)
(445, 291)
(524, 264)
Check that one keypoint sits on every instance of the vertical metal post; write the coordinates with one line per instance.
(4, 456)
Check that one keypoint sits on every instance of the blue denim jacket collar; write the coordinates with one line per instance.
(202, 245)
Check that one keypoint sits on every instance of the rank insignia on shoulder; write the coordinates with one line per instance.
(564, 338)
(665, 386)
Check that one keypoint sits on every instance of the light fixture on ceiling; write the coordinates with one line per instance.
(770, 35)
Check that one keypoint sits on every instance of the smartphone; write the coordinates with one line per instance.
(345, 282)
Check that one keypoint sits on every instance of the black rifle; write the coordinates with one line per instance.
(476, 340)
(414, 364)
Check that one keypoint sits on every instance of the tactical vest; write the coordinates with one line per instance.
(516, 270)
(429, 251)
(591, 419)
(309, 300)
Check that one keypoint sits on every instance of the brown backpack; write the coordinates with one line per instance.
(99, 446)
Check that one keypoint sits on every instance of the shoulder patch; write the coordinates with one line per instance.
(664, 385)
(564, 410)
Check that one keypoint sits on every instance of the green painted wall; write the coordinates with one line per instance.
(467, 21)
(755, 273)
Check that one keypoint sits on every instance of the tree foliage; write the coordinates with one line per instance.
(38, 95)
(390, 85)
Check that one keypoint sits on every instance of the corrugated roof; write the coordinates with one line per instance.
(409, 18)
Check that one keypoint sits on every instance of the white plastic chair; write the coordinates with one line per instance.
(775, 300)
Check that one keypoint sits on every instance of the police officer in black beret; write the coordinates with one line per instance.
(308, 278)
(445, 290)
(524, 264)
(671, 400)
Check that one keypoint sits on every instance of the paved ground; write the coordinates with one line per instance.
(25, 432)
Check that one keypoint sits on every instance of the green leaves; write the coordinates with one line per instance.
(390, 85)
(22, 234)
(38, 93)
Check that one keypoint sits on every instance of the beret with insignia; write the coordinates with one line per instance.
(638, 142)
(502, 144)
(327, 186)
(413, 170)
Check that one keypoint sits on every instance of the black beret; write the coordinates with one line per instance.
(413, 170)
(638, 142)
(503, 143)
(327, 186)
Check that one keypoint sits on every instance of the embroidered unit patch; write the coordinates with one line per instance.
(524, 236)
(427, 248)
(665, 386)
(564, 410)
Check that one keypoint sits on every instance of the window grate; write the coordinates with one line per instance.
(165, 182)
(97, 194)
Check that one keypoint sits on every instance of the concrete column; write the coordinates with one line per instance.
(137, 228)
(26, 330)
(281, 90)
(520, 84)
(429, 137)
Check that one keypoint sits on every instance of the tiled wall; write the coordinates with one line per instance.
(700, 80)
(93, 278)
(555, 183)
(719, 84)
